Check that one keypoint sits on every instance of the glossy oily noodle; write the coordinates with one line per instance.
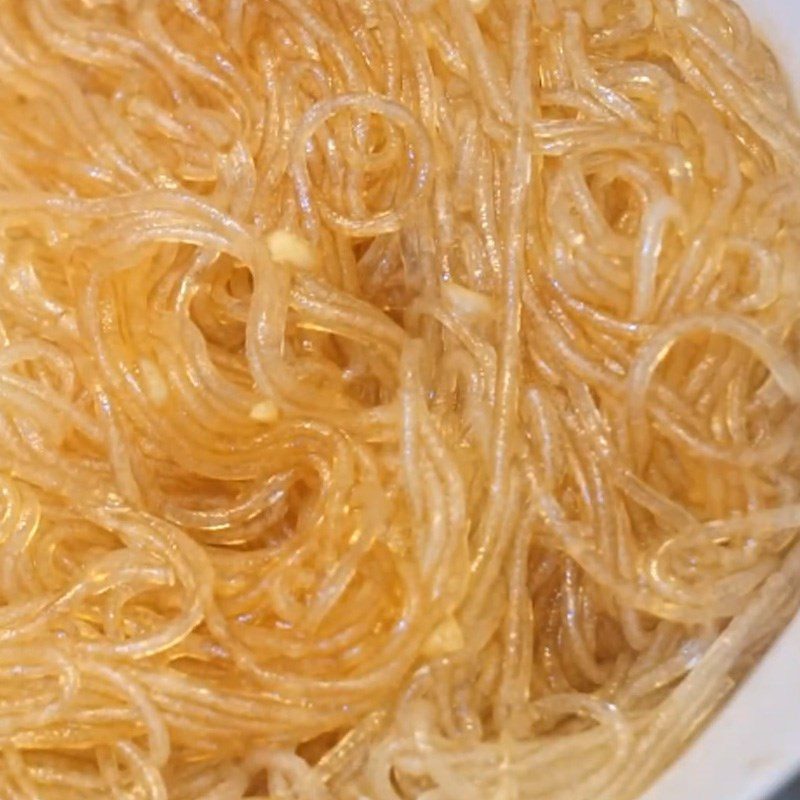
(398, 398)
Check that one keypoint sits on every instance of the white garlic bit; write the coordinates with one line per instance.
(265, 411)
(466, 301)
(153, 381)
(286, 247)
(446, 638)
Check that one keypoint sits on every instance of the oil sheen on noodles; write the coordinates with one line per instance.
(399, 399)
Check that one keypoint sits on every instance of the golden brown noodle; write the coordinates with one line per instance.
(398, 398)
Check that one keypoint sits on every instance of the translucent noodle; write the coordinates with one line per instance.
(398, 399)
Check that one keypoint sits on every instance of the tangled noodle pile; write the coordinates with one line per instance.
(398, 398)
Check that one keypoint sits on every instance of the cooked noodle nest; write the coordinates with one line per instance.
(398, 398)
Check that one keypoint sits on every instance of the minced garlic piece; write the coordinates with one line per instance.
(466, 301)
(265, 411)
(153, 382)
(446, 638)
(286, 247)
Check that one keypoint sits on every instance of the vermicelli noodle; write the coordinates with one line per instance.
(398, 398)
